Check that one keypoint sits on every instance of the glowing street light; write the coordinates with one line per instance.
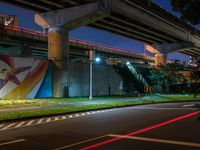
(97, 59)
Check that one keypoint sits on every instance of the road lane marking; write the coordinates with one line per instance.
(151, 108)
(20, 124)
(188, 105)
(48, 120)
(40, 121)
(30, 122)
(141, 130)
(10, 125)
(12, 142)
(159, 140)
(63, 117)
(82, 142)
(1, 125)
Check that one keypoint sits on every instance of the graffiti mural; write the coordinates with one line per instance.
(24, 78)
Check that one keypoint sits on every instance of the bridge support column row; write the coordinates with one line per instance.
(58, 54)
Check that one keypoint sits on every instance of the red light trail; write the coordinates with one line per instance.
(141, 130)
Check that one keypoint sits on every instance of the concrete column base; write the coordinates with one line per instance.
(60, 79)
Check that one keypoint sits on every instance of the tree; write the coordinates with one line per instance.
(165, 76)
(195, 79)
(189, 9)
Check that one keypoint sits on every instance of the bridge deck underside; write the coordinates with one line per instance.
(118, 23)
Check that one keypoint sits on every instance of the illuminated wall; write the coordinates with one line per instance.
(24, 78)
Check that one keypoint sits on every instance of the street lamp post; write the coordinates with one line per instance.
(90, 97)
(91, 74)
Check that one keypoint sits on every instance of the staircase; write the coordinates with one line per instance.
(136, 74)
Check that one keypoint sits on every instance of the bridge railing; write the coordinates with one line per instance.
(25, 30)
(112, 49)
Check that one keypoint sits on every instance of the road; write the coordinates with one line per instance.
(150, 127)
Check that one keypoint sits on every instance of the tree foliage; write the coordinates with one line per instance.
(166, 75)
(189, 9)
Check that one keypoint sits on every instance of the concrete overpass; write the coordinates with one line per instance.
(136, 19)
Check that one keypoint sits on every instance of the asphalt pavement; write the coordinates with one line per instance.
(170, 126)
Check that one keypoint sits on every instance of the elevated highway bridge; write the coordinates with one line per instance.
(137, 19)
(14, 40)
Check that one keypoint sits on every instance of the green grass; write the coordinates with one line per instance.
(71, 109)
(6, 104)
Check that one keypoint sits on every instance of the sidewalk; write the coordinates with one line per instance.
(71, 104)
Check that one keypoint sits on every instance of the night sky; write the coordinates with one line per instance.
(26, 20)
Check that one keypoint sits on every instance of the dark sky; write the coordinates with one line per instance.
(26, 20)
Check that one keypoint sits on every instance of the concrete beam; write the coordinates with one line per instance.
(135, 12)
(134, 32)
(143, 29)
(53, 3)
(34, 4)
(122, 32)
(172, 47)
(72, 17)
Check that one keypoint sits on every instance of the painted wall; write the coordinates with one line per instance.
(24, 78)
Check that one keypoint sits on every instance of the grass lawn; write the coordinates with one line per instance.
(5, 104)
(71, 109)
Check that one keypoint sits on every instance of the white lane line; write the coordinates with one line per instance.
(63, 117)
(83, 114)
(151, 108)
(40, 121)
(48, 120)
(10, 125)
(182, 143)
(20, 124)
(56, 118)
(12, 142)
(188, 105)
(30, 122)
(1, 125)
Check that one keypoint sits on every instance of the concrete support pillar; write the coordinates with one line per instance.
(58, 54)
(160, 59)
